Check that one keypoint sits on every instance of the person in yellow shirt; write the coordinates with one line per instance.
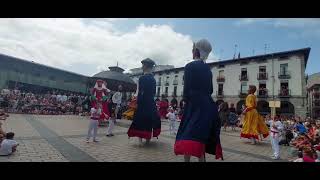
(253, 123)
(132, 108)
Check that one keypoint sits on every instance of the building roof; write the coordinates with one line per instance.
(38, 64)
(114, 74)
(304, 51)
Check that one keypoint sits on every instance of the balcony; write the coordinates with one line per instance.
(175, 82)
(262, 76)
(243, 78)
(284, 75)
(220, 78)
(284, 93)
(242, 94)
(158, 94)
(316, 103)
(219, 94)
(166, 94)
(174, 94)
(263, 93)
(316, 95)
(158, 83)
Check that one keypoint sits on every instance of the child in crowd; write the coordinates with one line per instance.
(111, 121)
(8, 145)
(233, 119)
(172, 120)
(94, 121)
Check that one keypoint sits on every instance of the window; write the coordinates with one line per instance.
(262, 90)
(244, 88)
(221, 66)
(244, 75)
(243, 71)
(158, 91)
(262, 69)
(166, 92)
(221, 73)
(159, 79)
(183, 79)
(175, 77)
(283, 69)
(220, 89)
(284, 88)
(175, 91)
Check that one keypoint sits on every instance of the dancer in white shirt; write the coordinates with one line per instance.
(172, 120)
(275, 131)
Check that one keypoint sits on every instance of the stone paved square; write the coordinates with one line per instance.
(62, 139)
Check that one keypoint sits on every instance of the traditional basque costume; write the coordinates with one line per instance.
(253, 123)
(199, 131)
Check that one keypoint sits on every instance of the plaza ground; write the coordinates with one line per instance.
(62, 138)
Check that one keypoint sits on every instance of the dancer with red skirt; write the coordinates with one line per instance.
(146, 122)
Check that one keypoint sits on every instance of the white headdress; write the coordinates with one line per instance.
(204, 48)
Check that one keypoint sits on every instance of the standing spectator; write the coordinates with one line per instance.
(172, 120)
(232, 108)
(224, 115)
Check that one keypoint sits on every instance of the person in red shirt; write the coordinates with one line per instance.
(163, 107)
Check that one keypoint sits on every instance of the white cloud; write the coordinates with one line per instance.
(63, 43)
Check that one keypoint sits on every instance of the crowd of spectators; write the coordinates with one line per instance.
(50, 103)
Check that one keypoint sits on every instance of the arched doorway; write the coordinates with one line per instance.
(239, 105)
(286, 108)
(218, 102)
(263, 107)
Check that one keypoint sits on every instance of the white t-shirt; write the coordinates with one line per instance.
(171, 116)
(6, 146)
(95, 112)
(276, 132)
(116, 98)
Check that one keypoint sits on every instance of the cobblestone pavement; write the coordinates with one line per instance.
(62, 139)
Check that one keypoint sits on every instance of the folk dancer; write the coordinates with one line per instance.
(199, 130)
(253, 123)
(99, 95)
(146, 121)
(275, 132)
(94, 122)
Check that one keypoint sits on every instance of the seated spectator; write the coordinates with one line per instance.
(300, 127)
(300, 157)
(2, 133)
(8, 145)
(309, 155)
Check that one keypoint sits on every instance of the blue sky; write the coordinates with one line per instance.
(250, 37)
(88, 46)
